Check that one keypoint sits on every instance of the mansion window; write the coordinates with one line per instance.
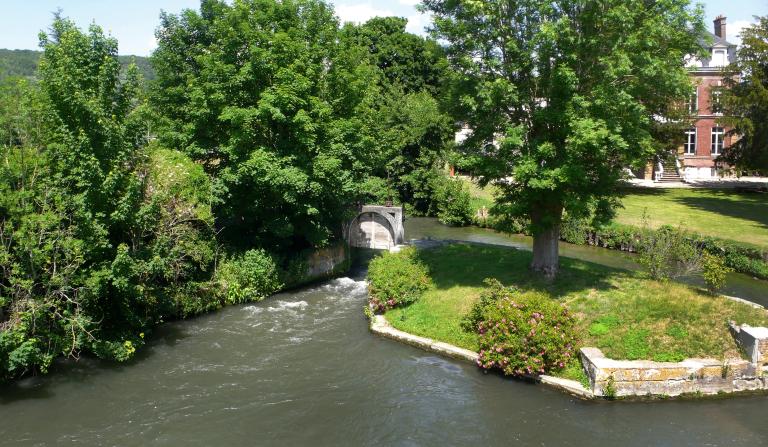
(693, 101)
(717, 101)
(690, 142)
(717, 140)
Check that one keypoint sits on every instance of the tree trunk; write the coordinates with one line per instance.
(546, 236)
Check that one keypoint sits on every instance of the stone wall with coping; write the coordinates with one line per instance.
(619, 378)
(380, 326)
(753, 340)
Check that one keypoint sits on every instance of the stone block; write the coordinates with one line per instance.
(643, 378)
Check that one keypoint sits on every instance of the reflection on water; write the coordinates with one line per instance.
(739, 285)
(301, 369)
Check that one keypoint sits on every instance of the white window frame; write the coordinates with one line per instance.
(716, 100)
(718, 61)
(695, 132)
(718, 140)
(693, 106)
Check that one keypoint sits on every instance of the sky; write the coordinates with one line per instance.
(133, 22)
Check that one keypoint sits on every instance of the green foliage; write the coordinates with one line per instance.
(669, 253)
(101, 236)
(251, 276)
(410, 130)
(560, 97)
(453, 202)
(407, 61)
(396, 279)
(271, 112)
(714, 271)
(523, 333)
(488, 297)
(23, 64)
(746, 101)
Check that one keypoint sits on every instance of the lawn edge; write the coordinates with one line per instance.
(380, 326)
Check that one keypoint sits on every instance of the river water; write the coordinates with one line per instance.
(301, 368)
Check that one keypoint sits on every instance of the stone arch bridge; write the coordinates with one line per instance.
(379, 227)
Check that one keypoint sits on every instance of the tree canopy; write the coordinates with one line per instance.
(561, 96)
(262, 94)
(746, 101)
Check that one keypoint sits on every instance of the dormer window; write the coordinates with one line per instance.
(718, 58)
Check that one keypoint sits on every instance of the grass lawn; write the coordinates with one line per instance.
(480, 197)
(620, 312)
(720, 213)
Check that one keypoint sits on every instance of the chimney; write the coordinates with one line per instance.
(720, 26)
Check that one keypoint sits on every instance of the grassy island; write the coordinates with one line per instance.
(623, 313)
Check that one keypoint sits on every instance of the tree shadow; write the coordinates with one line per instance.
(752, 207)
(468, 264)
(84, 369)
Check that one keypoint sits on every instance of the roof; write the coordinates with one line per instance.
(711, 40)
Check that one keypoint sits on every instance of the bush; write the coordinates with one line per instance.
(522, 333)
(396, 279)
(715, 271)
(669, 253)
(574, 231)
(251, 276)
(453, 202)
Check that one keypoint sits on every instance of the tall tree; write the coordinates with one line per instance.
(260, 92)
(413, 132)
(746, 100)
(561, 96)
(407, 61)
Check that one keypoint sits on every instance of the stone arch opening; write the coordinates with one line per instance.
(377, 227)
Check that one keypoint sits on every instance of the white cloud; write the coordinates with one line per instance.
(733, 30)
(417, 23)
(410, 2)
(360, 13)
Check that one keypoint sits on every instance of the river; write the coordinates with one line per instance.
(301, 368)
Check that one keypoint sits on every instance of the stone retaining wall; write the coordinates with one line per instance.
(380, 326)
(617, 378)
(753, 340)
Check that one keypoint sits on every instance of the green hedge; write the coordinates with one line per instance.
(743, 258)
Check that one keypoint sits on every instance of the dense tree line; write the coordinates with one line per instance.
(23, 64)
(128, 202)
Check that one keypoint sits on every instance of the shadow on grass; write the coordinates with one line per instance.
(747, 207)
(469, 264)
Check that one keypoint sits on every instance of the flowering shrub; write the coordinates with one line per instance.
(523, 333)
(395, 279)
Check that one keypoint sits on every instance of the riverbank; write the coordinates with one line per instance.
(627, 316)
(725, 222)
(623, 314)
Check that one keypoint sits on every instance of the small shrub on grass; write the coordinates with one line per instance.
(715, 272)
(396, 279)
(669, 253)
(251, 276)
(523, 333)
(453, 202)
(493, 292)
